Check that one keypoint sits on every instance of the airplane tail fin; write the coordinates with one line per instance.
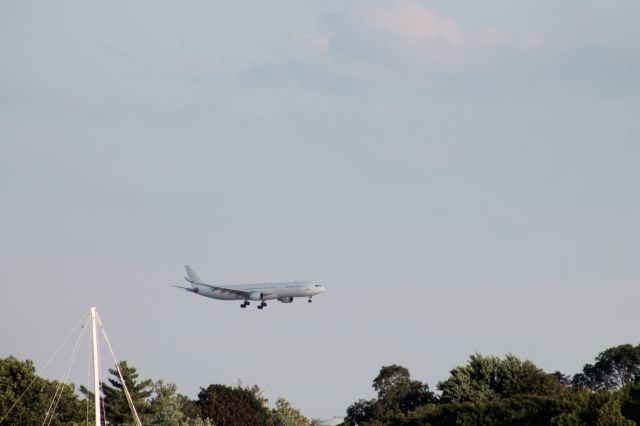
(192, 274)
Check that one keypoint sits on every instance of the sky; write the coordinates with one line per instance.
(462, 177)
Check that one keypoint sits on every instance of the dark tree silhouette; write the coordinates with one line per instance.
(237, 406)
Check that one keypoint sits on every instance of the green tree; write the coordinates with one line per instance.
(567, 419)
(397, 392)
(116, 406)
(391, 381)
(165, 405)
(189, 407)
(285, 415)
(610, 414)
(361, 411)
(631, 401)
(614, 368)
(26, 398)
(233, 406)
(488, 378)
(518, 410)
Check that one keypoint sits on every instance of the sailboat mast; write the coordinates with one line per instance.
(96, 367)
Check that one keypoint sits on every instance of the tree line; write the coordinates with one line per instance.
(32, 400)
(507, 391)
(487, 390)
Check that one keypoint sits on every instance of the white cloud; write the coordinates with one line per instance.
(405, 30)
(408, 21)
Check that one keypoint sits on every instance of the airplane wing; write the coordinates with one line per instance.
(227, 290)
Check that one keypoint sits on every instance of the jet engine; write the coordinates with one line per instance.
(256, 295)
(285, 299)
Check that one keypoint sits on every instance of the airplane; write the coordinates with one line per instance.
(283, 292)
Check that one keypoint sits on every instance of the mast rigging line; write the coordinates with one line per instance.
(46, 364)
(124, 384)
(53, 405)
(58, 393)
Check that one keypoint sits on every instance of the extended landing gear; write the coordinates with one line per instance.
(262, 305)
(245, 304)
(310, 299)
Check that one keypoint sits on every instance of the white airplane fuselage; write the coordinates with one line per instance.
(284, 292)
(269, 291)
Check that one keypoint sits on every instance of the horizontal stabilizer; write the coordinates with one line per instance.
(191, 289)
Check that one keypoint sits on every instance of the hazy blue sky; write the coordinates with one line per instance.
(462, 176)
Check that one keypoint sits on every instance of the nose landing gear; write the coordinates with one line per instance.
(310, 299)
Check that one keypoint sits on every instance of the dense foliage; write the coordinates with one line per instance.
(511, 392)
(486, 391)
(27, 399)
